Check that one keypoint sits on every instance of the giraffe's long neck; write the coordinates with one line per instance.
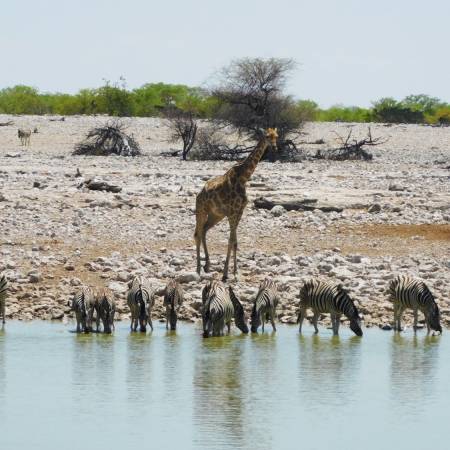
(246, 168)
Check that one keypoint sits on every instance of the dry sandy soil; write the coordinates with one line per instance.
(56, 235)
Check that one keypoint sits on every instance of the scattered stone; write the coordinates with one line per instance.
(277, 211)
(375, 208)
(188, 277)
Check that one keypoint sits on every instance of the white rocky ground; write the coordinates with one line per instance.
(56, 236)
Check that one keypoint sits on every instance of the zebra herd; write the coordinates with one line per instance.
(220, 305)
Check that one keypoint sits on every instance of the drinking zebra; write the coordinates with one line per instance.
(106, 308)
(173, 299)
(265, 304)
(411, 293)
(3, 289)
(219, 307)
(239, 313)
(24, 136)
(83, 303)
(140, 300)
(325, 297)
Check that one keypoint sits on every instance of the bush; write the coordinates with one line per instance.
(423, 103)
(154, 99)
(341, 113)
(21, 100)
(440, 116)
(308, 109)
(388, 110)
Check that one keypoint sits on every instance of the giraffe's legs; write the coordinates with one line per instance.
(232, 245)
(199, 227)
(212, 220)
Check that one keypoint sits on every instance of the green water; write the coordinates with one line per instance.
(60, 390)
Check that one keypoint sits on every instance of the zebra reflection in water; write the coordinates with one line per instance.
(328, 369)
(219, 394)
(412, 369)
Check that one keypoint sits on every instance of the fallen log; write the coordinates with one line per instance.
(6, 124)
(307, 204)
(95, 185)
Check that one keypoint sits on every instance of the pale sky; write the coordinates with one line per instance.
(349, 51)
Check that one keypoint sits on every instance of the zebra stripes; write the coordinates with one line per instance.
(3, 290)
(106, 309)
(173, 299)
(411, 293)
(83, 303)
(218, 309)
(265, 305)
(325, 297)
(140, 300)
(239, 313)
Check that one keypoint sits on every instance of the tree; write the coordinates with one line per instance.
(422, 102)
(250, 96)
(390, 111)
(183, 126)
(21, 99)
(114, 99)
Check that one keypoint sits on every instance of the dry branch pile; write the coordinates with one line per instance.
(351, 149)
(107, 140)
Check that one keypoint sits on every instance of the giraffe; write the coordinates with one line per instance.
(224, 196)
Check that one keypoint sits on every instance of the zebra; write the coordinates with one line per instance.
(408, 292)
(239, 313)
(140, 300)
(219, 306)
(325, 297)
(83, 303)
(24, 136)
(265, 304)
(3, 290)
(106, 308)
(173, 299)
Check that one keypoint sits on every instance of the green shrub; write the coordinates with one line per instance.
(308, 110)
(21, 100)
(341, 113)
(440, 117)
(389, 110)
(423, 103)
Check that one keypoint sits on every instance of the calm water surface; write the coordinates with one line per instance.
(60, 390)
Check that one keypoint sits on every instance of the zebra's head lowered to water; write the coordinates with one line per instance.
(350, 310)
(355, 326)
(433, 318)
(265, 305)
(239, 313)
(206, 300)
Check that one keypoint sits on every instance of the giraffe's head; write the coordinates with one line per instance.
(272, 136)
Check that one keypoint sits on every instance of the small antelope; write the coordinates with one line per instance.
(24, 136)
